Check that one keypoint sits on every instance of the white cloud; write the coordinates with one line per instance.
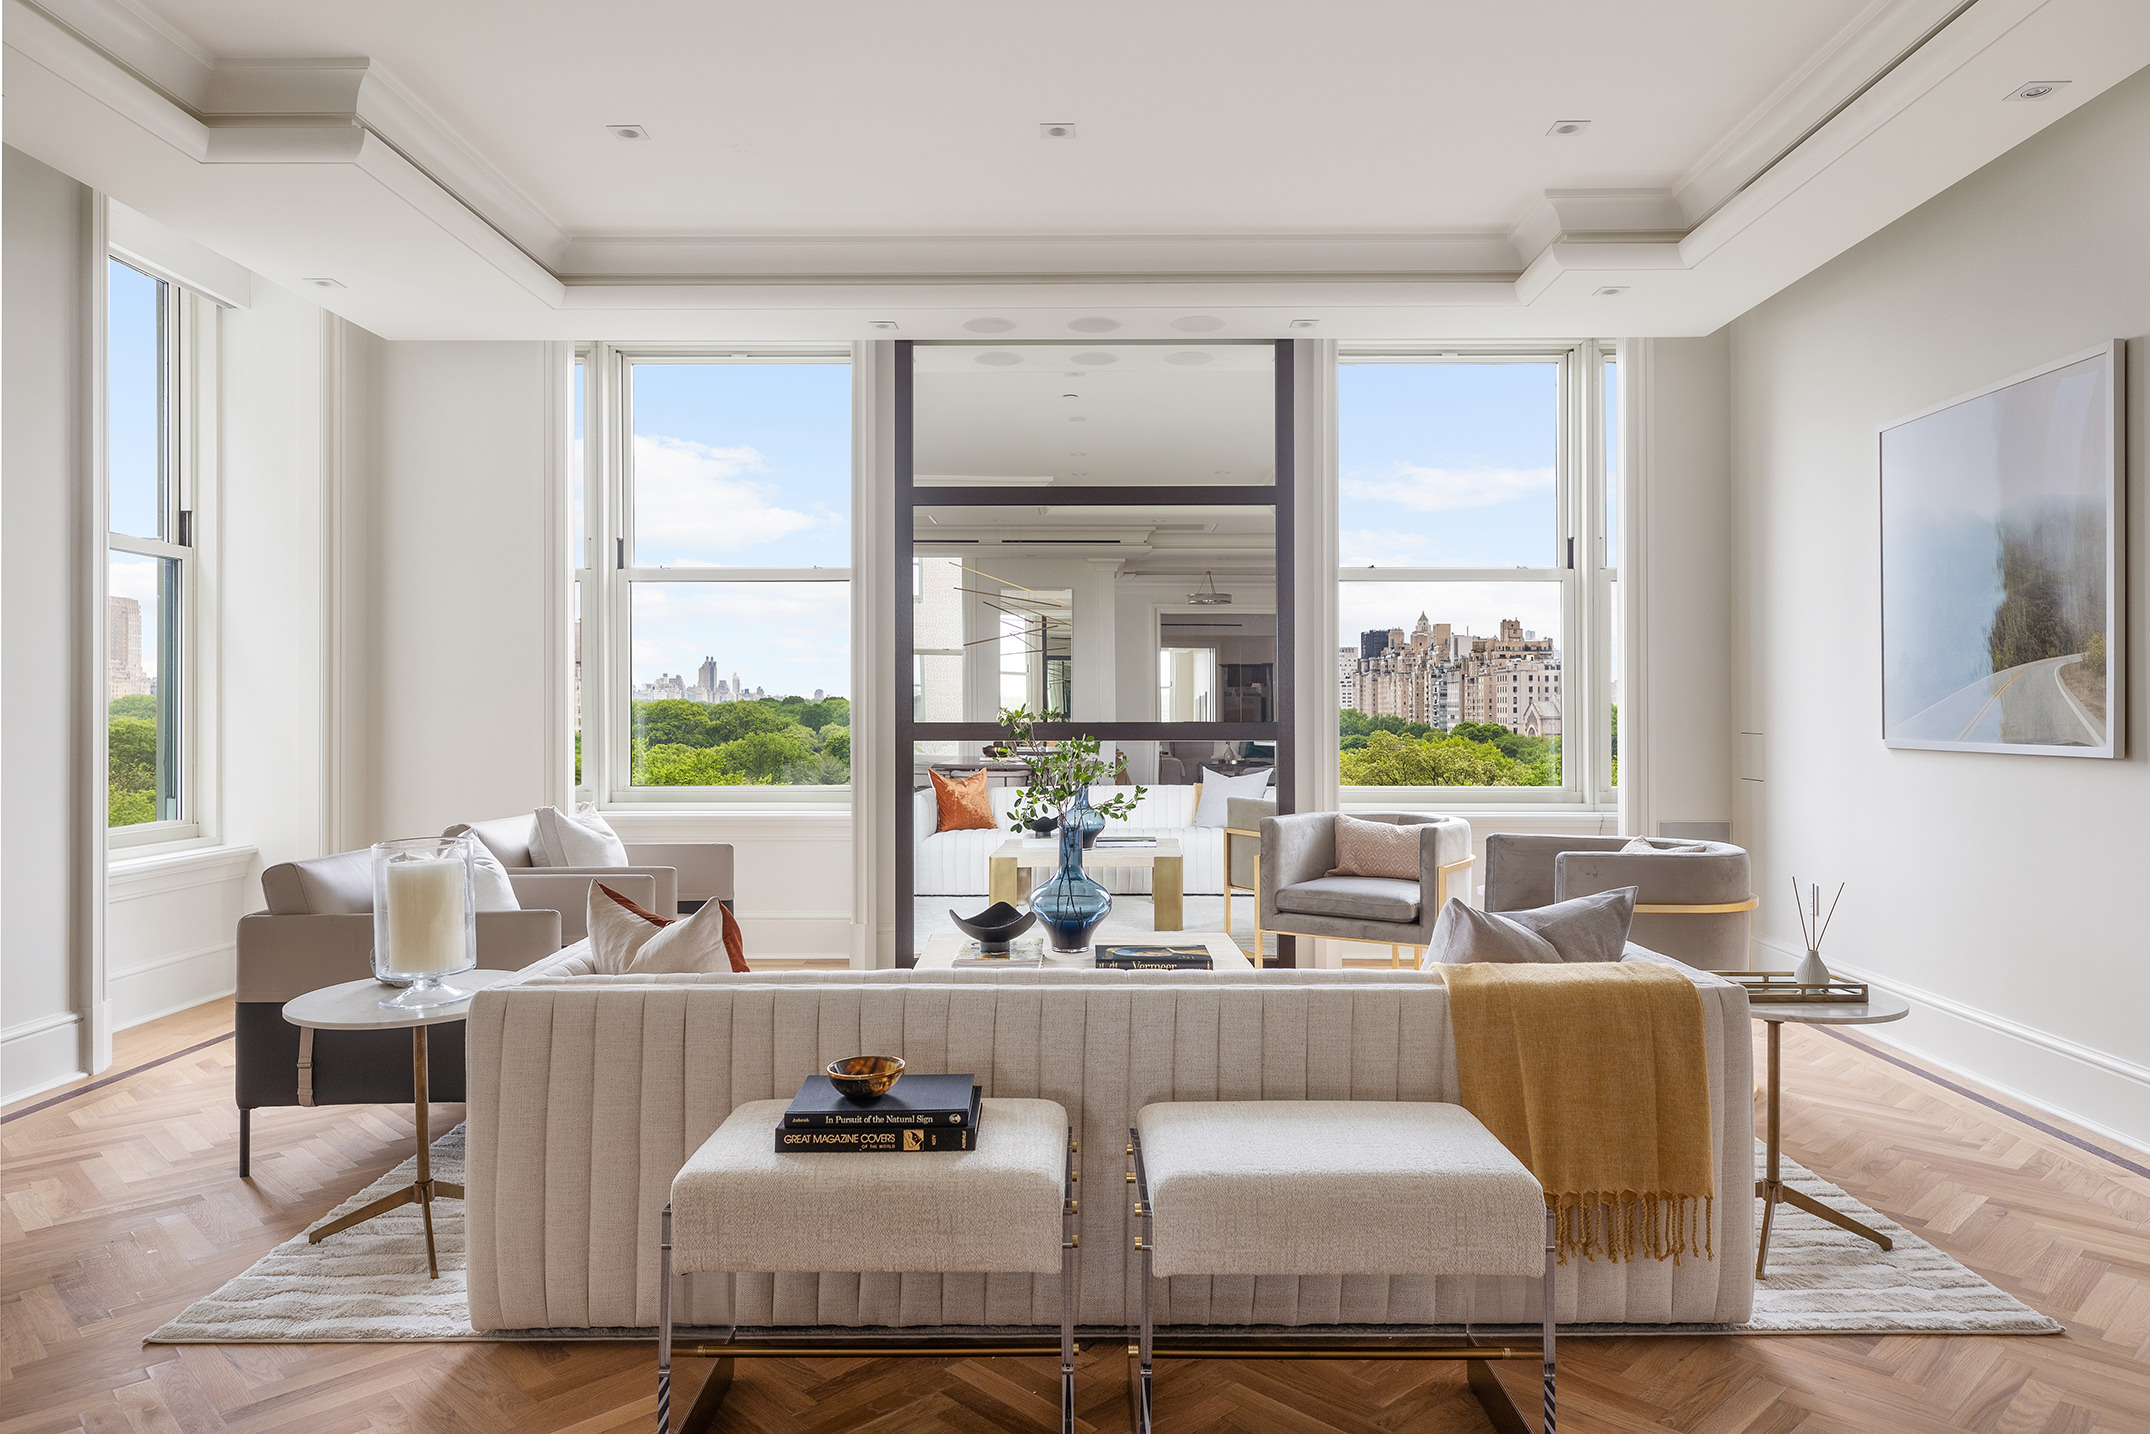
(696, 501)
(1435, 490)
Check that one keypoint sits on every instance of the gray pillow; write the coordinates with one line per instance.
(1463, 935)
(1587, 928)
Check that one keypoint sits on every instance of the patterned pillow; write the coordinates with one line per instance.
(1366, 848)
(964, 805)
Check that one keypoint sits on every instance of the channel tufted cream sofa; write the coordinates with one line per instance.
(587, 1094)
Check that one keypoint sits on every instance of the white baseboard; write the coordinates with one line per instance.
(2095, 1089)
(38, 1055)
(176, 982)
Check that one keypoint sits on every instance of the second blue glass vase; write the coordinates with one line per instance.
(1071, 906)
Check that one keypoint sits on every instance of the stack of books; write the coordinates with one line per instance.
(1123, 957)
(920, 1112)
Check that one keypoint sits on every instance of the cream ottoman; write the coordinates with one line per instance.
(738, 1204)
(1337, 1187)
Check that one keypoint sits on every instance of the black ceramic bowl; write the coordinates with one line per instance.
(865, 1077)
(996, 926)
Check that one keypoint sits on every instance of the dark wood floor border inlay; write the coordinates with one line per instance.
(1879, 1053)
(66, 1095)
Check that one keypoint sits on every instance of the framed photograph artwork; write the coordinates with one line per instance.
(2001, 566)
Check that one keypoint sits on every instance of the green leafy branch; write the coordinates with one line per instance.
(1058, 773)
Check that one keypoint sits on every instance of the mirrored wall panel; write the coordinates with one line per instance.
(1094, 614)
(1093, 415)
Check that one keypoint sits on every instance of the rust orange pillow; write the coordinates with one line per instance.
(963, 803)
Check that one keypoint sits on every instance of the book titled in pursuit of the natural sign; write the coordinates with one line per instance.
(915, 1100)
(869, 1128)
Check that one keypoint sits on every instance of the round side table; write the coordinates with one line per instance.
(356, 1006)
(1877, 1009)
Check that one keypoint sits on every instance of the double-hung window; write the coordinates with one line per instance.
(716, 568)
(159, 355)
(1476, 586)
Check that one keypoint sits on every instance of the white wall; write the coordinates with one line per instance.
(2003, 894)
(47, 236)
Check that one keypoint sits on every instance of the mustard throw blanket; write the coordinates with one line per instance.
(1594, 1074)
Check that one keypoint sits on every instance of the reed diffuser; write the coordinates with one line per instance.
(1813, 926)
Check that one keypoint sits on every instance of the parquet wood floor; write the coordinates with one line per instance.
(119, 1205)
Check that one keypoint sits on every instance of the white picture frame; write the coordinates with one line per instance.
(2003, 565)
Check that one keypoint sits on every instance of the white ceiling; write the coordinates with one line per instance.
(1382, 169)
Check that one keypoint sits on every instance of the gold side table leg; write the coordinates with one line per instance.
(1771, 1187)
(421, 1191)
(1000, 880)
(1168, 885)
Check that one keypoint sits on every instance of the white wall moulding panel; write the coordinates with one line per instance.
(2007, 890)
(793, 872)
(39, 1054)
(308, 166)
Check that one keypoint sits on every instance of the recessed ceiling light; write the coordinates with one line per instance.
(1078, 419)
(999, 358)
(323, 283)
(883, 324)
(1071, 395)
(1078, 453)
(1609, 291)
(1569, 126)
(1187, 358)
(2038, 90)
(627, 131)
(1096, 325)
(1304, 323)
(1097, 359)
(1055, 130)
(1198, 324)
(989, 326)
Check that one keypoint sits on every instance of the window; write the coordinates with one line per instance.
(723, 576)
(157, 337)
(1472, 574)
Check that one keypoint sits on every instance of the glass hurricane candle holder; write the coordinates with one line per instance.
(425, 918)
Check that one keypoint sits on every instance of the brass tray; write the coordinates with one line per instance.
(1780, 988)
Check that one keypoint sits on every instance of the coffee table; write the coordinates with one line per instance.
(1877, 1009)
(356, 1006)
(1224, 953)
(1018, 855)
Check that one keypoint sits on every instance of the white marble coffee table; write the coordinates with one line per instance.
(1224, 953)
(356, 1006)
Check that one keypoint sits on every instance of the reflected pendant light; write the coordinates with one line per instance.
(1207, 595)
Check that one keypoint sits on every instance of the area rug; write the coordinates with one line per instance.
(369, 1286)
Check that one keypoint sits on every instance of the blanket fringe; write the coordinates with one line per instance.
(1632, 1225)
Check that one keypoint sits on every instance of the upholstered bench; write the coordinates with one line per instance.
(1336, 1187)
(738, 1204)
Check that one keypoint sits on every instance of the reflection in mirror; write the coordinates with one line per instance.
(1071, 611)
(1040, 415)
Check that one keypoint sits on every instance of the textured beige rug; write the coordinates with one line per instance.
(369, 1286)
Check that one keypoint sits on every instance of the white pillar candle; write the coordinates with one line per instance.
(425, 916)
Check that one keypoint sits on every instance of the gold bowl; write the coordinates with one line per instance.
(865, 1077)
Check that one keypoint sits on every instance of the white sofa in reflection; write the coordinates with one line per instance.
(955, 863)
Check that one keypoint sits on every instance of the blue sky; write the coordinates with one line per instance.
(743, 465)
(132, 440)
(1447, 465)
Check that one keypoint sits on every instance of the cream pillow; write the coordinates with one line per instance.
(1218, 791)
(626, 940)
(1365, 848)
(1646, 845)
(581, 839)
(1464, 935)
(490, 879)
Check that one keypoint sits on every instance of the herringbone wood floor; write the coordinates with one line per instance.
(120, 1206)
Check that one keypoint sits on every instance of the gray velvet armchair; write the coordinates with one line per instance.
(1299, 897)
(1695, 906)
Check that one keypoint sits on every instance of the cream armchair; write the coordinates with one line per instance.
(687, 873)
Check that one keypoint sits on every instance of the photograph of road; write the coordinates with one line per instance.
(1999, 567)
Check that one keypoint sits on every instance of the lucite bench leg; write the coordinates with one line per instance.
(1069, 1239)
(664, 1323)
(1145, 1237)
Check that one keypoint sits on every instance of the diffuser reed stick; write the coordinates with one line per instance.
(1813, 926)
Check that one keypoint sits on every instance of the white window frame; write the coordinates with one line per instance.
(1586, 591)
(190, 462)
(607, 570)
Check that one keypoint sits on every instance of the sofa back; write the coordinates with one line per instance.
(586, 1095)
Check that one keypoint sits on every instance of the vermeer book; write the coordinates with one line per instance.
(916, 1100)
(1154, 958)
(887, 1138)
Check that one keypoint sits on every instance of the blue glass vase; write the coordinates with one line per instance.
(1071, 906)
(1089, 818)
